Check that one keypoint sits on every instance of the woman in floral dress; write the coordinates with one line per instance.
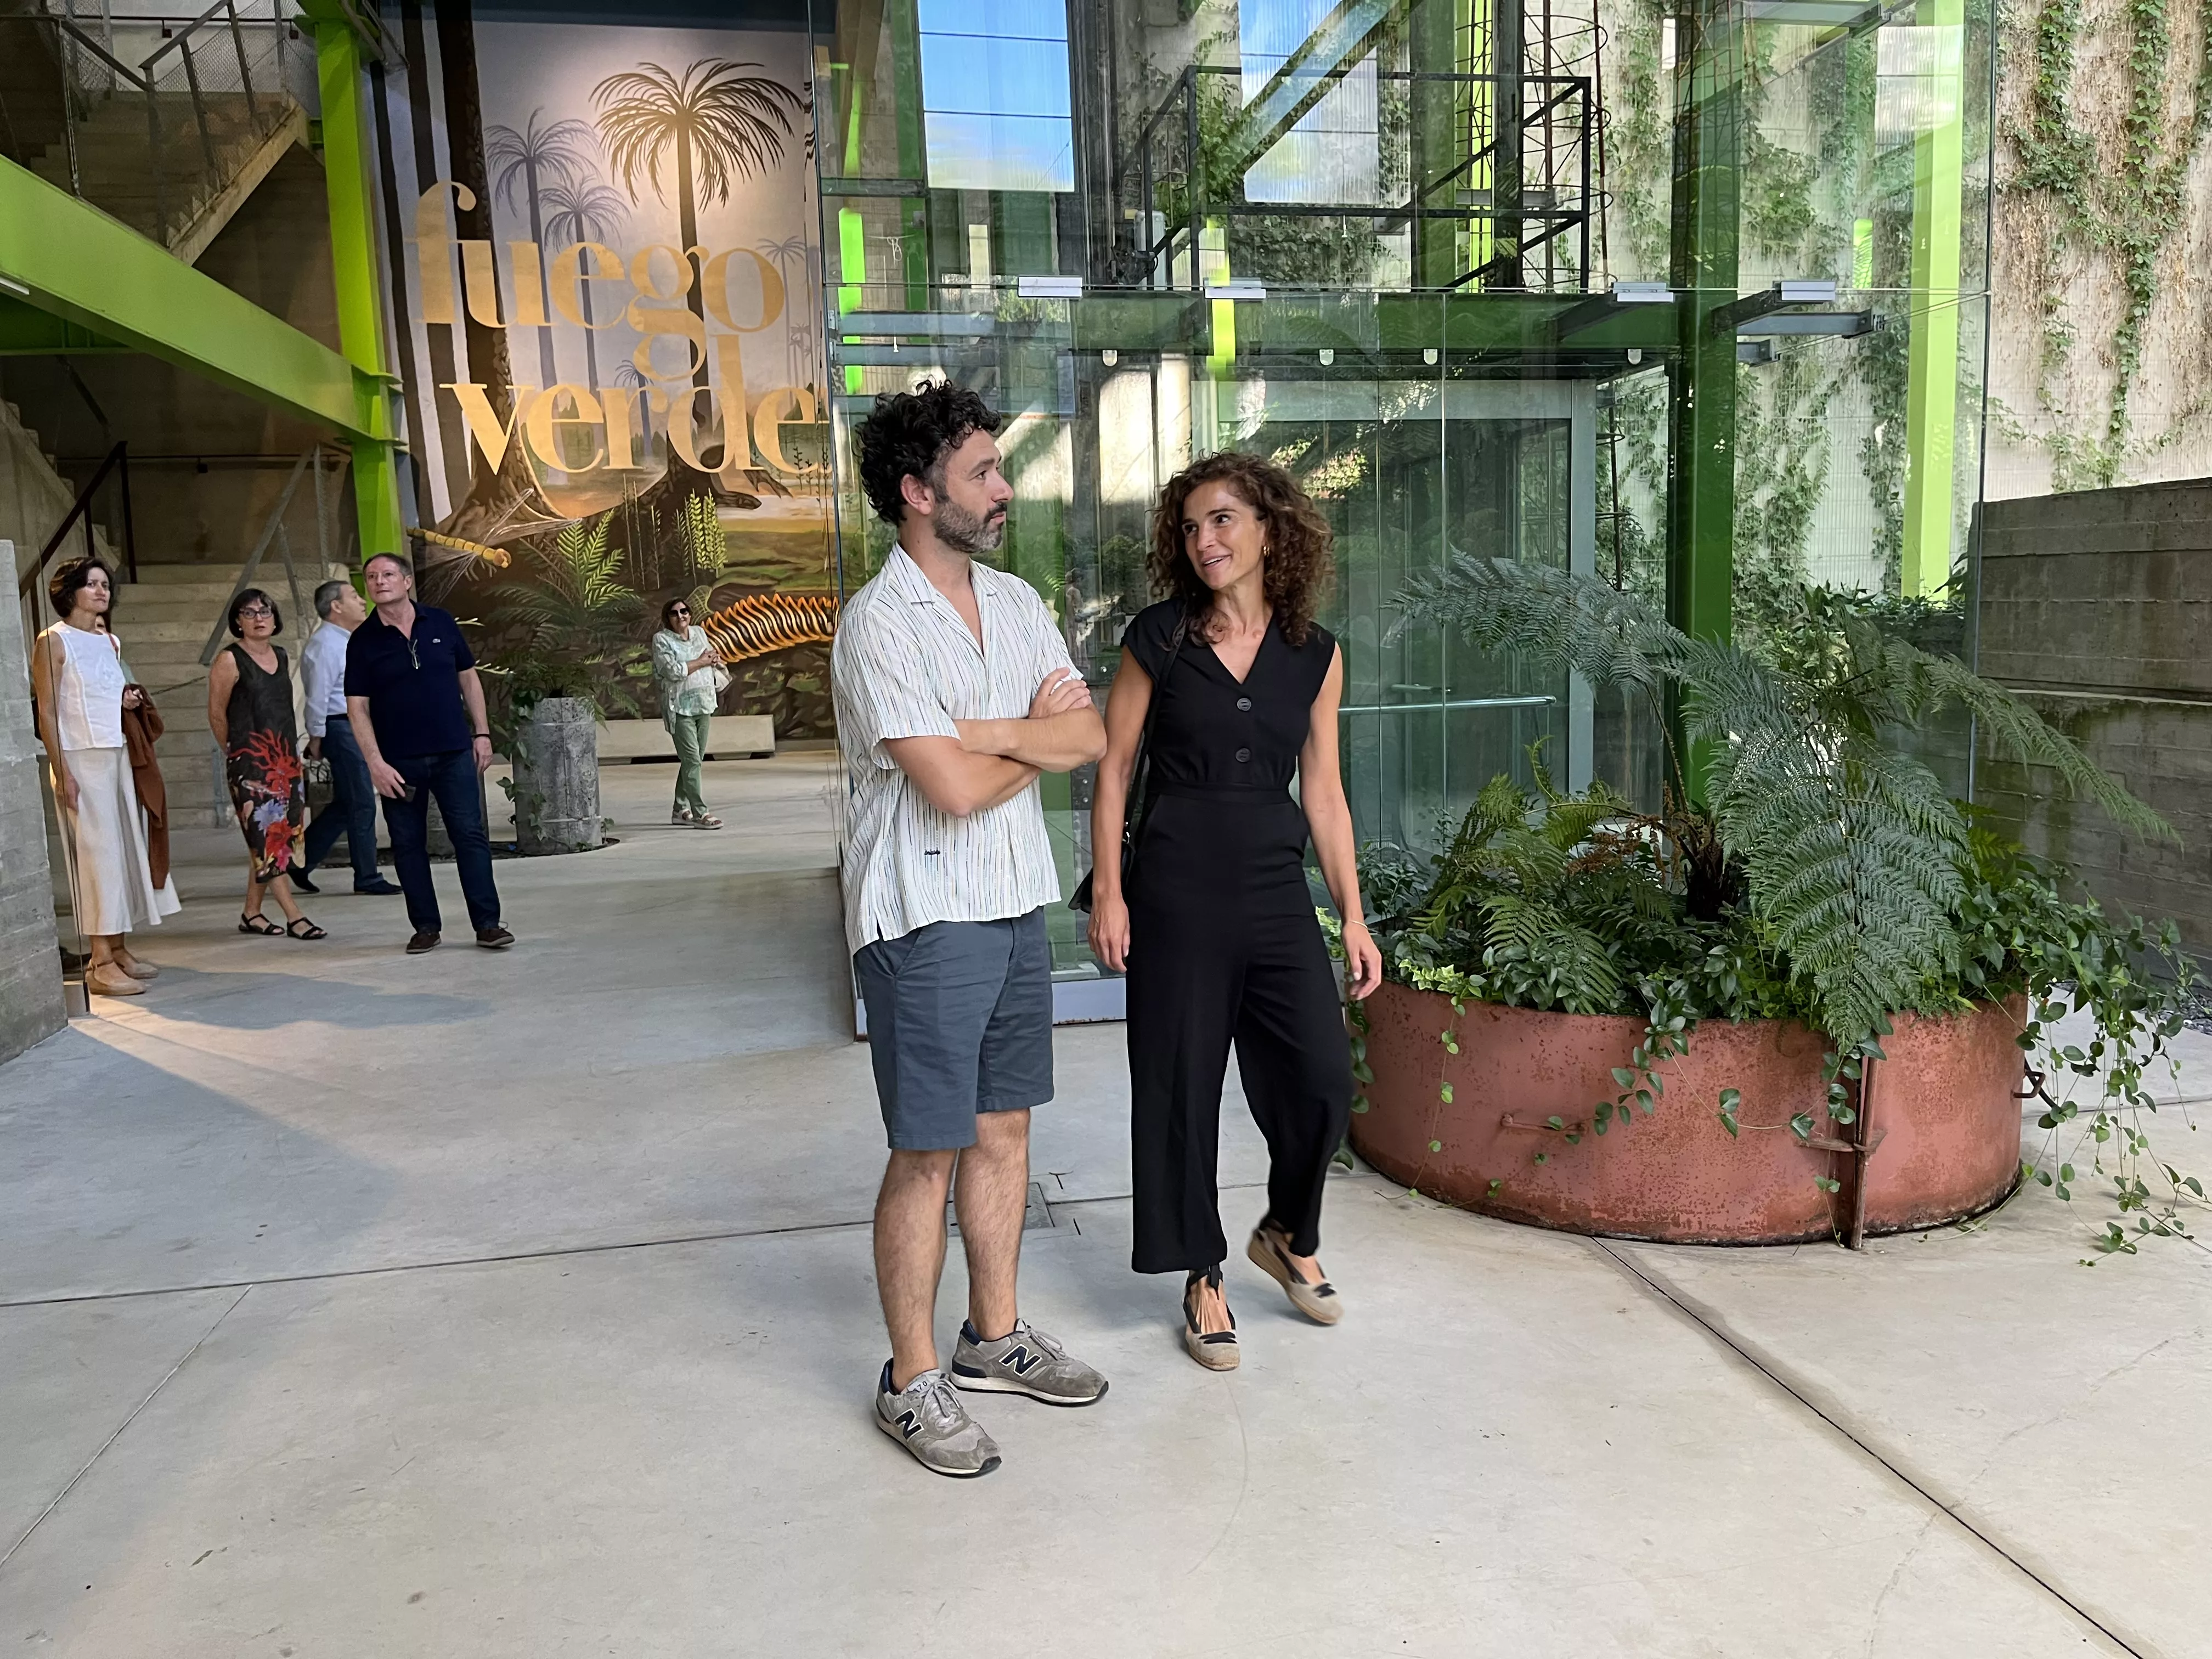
(249, 712)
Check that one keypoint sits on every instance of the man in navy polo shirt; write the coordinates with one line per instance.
(417, 711)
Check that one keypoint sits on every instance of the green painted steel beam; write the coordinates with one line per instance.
(27, 331)
(1931, 395)
(341, 75)
(78, 264)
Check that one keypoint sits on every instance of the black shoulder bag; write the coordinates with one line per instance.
(1139, 780)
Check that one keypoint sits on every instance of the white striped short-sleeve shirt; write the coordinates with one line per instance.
(905, 665)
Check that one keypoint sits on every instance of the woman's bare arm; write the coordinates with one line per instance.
(222, 675)
(45, 677)
(1329, 815)
(1126, 705)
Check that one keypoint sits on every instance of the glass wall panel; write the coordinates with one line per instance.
(1691, 299)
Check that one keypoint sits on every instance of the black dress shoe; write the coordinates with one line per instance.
(493, 937)
(380, 888)
(422, 941)
(299, 881)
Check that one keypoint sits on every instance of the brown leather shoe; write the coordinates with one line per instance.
(493, 937)
(109, 981)
(423, 941)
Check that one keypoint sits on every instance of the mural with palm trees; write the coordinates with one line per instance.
(709, 126)
(582, 208)
(531, 161)
(601, 147)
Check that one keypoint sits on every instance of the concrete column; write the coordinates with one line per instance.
(31, 1007)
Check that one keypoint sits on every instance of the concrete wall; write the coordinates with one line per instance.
(30, 968)
(2097, 605)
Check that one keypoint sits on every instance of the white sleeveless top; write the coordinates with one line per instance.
(88, 692)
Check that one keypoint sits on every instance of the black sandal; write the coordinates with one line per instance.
(294, 926)
(258, 923)
(1215, 1349)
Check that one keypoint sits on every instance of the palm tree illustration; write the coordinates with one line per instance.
(712, 126)
(798, 335)
(581, 209)
(531, 160)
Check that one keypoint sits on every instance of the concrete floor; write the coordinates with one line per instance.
(354, 1307)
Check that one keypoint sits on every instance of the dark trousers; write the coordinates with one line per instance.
(452, 778)
(352, 809)
(1224, 948)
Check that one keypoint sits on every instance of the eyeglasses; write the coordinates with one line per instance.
(679, 610)
(255, 610)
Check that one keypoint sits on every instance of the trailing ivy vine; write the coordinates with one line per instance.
(2120, 206)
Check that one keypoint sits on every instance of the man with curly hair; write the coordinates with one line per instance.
(954, 691)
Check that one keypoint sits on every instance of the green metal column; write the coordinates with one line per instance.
(1433, 36)
(1932, 353)
(1701, 412)
(354, 263)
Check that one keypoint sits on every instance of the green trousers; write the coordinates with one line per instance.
(690, 732)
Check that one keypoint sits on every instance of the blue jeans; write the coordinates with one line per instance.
(352, 810)
(452, 777)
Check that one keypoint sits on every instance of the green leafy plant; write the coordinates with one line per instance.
(1805, 864)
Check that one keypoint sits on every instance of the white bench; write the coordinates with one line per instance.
(730, 737)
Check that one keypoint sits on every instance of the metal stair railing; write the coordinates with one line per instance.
(274, 530)
(206, 73)
(79, 518)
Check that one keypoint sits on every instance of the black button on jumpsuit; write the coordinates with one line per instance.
(1224, 946)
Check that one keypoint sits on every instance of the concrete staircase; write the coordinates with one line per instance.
(35, 498)
(170, 192)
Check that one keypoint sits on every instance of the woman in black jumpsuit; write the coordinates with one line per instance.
(1214, 925)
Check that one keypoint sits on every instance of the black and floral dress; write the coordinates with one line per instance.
(268, 784)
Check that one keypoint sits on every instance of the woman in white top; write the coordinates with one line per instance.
(690, 675)
(78, 677)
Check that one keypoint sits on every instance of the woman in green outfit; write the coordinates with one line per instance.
(691, 676)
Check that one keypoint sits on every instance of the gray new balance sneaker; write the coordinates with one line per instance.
(927, 1419)
(1026, 1361)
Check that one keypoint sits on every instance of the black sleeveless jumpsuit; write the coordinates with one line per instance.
(1224, 946)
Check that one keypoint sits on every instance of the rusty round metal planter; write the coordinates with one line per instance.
(1944, 1108)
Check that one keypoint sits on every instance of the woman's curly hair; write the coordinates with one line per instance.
(1299, 563)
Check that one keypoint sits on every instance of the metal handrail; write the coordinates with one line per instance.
(81, 512)
(184, 42)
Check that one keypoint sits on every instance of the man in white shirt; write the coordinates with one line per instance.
(954, 691)
(352, 810)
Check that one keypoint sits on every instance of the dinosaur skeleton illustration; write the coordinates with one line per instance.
(761, 623)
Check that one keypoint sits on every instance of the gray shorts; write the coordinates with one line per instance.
(959, 1022)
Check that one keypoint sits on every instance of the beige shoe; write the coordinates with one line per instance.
(1215, 1349)
(145, 972)
(1318, 1302)
(109, 981)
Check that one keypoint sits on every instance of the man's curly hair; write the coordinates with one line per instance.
(911, 432)
(1299, 563)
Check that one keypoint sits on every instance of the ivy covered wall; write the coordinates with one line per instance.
(2100, 362)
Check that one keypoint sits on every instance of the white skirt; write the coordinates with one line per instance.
(104, 842)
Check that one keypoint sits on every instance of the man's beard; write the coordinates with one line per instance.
(958, 528)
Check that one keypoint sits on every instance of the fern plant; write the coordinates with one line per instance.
(567, 624)
(1850, 848)
(1819, 873)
